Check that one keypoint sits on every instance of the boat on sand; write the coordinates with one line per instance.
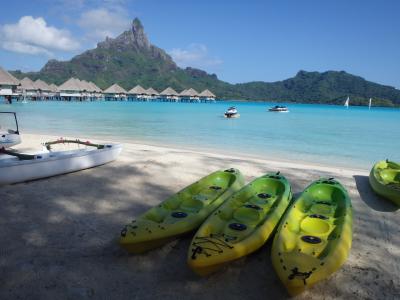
(16, 167)
(181, 213)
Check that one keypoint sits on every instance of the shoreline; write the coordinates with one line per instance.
(62, 233)
(209, 151)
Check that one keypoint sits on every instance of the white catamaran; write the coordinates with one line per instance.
(370, 103)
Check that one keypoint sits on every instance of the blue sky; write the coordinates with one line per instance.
(240, 41)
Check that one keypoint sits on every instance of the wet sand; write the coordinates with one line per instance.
(59, 235)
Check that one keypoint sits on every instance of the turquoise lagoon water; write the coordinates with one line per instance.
(322, 134)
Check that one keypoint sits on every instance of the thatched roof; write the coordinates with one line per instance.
(7, 79)
(115, 89)
(41, 85)
(69, 85)
(95, 87)
(137, 90)
(207, 93)
(27, 84)
(86, 86)
(54, 88)
(152, 92)
(169, 92)
(189, 93)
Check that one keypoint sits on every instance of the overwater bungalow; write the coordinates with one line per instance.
(87, 90)
(98, 92)
(55, 93)
(8, 86)
(28, 89)
(115, 93)
(169, 94)
(206, 95)
(70, 90)
(138, 93)
(152, 94)
(189, 95)
(43, 89)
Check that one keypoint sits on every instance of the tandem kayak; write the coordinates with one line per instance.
(16, 167)
(180, 213)
(314, 237)
(384, 179)
(241, 225)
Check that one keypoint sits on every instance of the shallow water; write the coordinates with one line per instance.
(322, 134)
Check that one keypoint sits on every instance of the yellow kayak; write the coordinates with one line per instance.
(241, 225)
(314, 237)
(385, 180)
(181, 213)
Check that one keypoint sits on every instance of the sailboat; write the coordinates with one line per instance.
(370, 103)
(347, 102)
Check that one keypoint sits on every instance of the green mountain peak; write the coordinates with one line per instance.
(130, 59)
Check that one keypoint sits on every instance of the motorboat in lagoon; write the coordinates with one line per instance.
(278, 108)
(231, 113)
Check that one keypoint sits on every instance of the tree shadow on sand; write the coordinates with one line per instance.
(370, 198)
(61, 240)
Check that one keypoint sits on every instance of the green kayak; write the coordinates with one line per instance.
(181, 213)
(385, 180)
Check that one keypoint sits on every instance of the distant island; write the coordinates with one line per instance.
(130, 59)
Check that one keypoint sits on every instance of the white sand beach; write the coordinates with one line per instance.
(59, 235)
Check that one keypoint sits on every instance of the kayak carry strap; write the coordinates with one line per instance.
(79, 142)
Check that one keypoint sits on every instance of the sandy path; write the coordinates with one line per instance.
(59, 235)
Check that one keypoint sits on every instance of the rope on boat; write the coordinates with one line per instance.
(65, 141)
(20, 156)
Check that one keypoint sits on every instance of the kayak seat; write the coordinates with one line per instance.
(315, 225)
(156, 214)
(322, 208)
(390, 176)
(248, 215)
(172, 203)
(192, 205)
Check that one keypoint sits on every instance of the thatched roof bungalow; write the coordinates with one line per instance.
(70, 89)
(137, 91)
(169, 92)
(95, 87)
(27, 87)
(152, 92)
(42, 87)
(27, 84)
(8, 84)
(54, 88)
(207, 95)
(115, 91)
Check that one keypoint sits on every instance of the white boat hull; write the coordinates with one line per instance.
(47, 164)
(8, 140)
(231, 116)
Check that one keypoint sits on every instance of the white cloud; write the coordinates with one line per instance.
(102, 22)
(34, 36)
(25, 48)
(195, 55)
